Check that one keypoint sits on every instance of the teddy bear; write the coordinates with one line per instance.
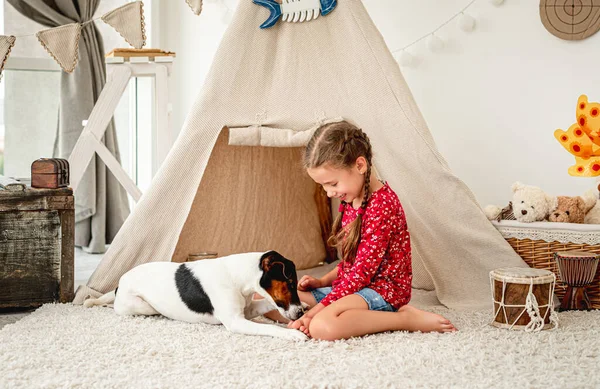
(529, 204)
(571, 209)
(593, 216)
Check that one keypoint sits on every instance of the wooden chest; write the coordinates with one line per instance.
(37, 229)
(50, 173)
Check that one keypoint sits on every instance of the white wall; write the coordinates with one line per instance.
(492, 98)
(195, 40)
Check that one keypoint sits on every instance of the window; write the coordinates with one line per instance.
(29, 98)
(30, 113)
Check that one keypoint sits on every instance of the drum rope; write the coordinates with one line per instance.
(532, 308)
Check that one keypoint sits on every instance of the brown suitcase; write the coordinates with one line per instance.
(50, 173)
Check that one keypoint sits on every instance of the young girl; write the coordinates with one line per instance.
(369, 291)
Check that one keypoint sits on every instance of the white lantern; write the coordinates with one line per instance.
(405, 59)
(435, 43)
(226, 15)
(466, 22)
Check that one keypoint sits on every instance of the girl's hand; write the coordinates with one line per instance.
(307, 283)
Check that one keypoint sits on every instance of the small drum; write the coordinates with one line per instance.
(577, 269)
(523, 298)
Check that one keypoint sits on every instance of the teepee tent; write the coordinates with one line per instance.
(224, 188)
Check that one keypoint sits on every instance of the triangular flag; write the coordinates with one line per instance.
(6, 44)
(195, 5)
(62, 43)
(128, 20)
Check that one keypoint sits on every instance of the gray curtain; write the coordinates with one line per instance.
(101, 202)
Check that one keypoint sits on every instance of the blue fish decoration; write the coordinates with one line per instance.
(295, 11)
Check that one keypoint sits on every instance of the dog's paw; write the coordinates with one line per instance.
(295, 335)
(89, 303)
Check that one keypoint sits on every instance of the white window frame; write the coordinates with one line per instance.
(31, 64)
(48, 64)
(25, 64)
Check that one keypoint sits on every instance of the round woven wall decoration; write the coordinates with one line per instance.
(571, 19)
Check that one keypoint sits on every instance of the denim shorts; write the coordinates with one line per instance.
(373, 299)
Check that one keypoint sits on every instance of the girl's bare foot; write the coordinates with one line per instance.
(418, 320)
(301, 324)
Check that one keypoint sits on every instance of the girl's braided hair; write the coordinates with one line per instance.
(339, 145)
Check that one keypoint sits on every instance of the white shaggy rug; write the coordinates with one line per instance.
(66, 346)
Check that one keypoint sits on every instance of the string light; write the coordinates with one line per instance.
(437, 29)
(434, 43)
(405, 58)
(466, 22)
(226, 14)
(226, 11)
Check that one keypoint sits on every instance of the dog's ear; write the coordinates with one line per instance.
(265, 263)
(268, 260)
(272, 259)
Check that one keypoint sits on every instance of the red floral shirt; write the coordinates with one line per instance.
(383, 258)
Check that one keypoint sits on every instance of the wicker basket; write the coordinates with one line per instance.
(536, 243)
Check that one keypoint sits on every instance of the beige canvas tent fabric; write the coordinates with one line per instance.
(290, 76)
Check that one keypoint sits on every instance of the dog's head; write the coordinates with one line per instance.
(279, 280)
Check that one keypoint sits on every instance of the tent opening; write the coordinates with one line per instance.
(255, 198)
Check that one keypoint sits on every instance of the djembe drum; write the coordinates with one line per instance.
(577, 269)
(523, 298)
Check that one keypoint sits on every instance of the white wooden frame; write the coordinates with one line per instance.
(32, 64)
(90, 140)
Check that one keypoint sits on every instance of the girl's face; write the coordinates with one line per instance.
(346, 184)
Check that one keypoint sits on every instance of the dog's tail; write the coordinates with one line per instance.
(107, 298)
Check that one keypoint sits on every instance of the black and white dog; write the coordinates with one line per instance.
(213, 291)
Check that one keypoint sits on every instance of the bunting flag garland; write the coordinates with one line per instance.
(6, 44)
(121, 20)
(62, 43)
(195, 5)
